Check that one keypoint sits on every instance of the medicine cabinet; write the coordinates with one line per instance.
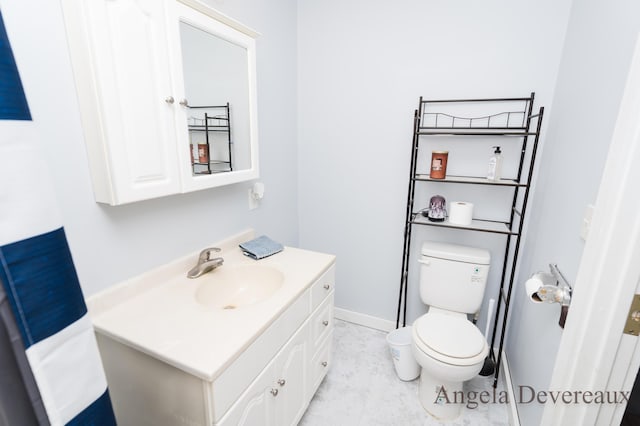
(142, 67)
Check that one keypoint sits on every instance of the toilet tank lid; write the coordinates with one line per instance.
(456, 252)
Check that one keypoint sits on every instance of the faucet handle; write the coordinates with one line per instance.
(206, 253)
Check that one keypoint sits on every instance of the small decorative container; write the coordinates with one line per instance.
(437, 210)
(203, 153)
(439, 164)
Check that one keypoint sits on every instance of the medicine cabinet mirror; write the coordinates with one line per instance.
(218, 76)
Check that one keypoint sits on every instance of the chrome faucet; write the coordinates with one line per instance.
(205, 263)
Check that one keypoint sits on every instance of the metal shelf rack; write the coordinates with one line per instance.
(215, 119)
(519, 124)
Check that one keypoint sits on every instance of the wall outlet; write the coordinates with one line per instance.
(586, 222)
(253, 202)
(256, 193)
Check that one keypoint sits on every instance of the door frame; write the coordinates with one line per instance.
(594, 354)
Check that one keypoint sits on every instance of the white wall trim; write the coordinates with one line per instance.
(364, 320)
(505, 375)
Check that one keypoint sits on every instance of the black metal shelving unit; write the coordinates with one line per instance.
(517, 124)
(215, 119)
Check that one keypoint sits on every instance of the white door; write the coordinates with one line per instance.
(594, 354)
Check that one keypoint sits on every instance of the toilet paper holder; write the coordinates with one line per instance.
(550, 287)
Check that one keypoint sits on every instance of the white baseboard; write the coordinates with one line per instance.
(505, 374)
(364, 320)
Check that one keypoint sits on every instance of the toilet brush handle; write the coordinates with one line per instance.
(492, 303)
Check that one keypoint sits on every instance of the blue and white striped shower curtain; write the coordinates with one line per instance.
(43, 315)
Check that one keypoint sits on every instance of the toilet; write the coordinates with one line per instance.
(449, 348)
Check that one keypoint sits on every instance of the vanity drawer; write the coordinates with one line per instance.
(321, 323)
(322, 287)
(320, 364)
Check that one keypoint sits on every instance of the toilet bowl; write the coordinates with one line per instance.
(448, 347)
(450, 350)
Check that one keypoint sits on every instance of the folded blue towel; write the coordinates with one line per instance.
(261, 247)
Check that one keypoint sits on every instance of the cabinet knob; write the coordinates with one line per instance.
(325, 323)
(326, 286)
(274, 392)
(169, 100)
(324, 363)
(281, 382)
(184, 103)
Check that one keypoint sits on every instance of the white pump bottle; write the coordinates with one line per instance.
(495, 165)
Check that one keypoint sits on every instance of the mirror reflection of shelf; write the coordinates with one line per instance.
(200, 124)
(210, 139)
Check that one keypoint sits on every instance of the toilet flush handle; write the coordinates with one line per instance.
(424, 261)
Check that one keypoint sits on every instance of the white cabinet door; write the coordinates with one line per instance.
(123, 73)
(292, 380)
(255, 405)
(258, 410)
(278, 395)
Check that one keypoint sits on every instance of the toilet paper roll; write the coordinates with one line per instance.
(536, 282)
(460, 213)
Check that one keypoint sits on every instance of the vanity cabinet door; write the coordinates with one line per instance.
(123, 76)
(278, 395)
(258, 410)
(255, 406)
(292, 381)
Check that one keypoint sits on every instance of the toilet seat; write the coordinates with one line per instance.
(450, 339)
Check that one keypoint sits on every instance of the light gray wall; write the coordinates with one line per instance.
(362, 67)
(110, 244)
(595, 62)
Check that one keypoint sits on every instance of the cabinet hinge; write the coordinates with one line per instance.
(632, 326)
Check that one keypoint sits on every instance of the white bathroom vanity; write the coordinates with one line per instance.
(221, 349)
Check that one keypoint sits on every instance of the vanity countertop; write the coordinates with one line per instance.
(157, 312)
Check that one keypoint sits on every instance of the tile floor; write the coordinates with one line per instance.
(362, 388)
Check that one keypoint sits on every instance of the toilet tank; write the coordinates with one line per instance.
(453, 277)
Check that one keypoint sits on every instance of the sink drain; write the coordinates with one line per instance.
(229, 307)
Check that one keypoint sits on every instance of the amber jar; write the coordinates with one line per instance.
(439, 164)
(203, 153)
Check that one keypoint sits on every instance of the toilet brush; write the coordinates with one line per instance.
(489, 365)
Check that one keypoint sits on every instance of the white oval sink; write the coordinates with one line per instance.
(235, 286)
